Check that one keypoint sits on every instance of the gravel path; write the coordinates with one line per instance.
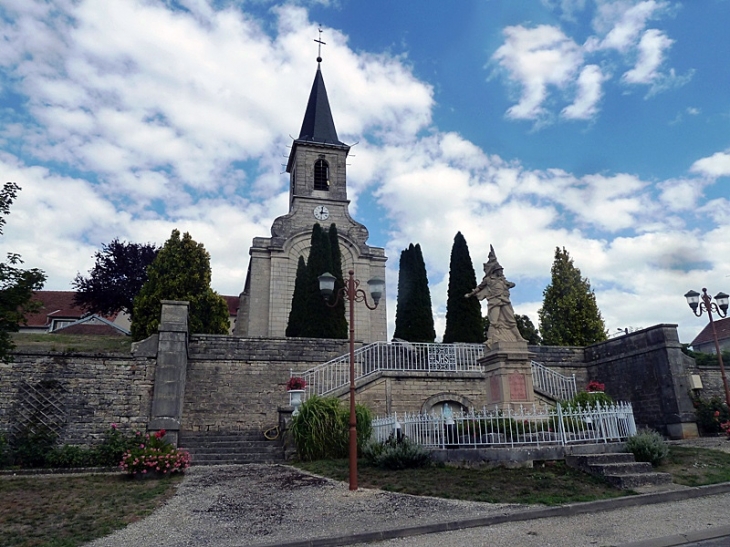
(257, 505)
(253, 504)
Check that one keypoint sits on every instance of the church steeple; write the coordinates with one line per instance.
(318, 125)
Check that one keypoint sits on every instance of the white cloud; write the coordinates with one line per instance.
(717, 165)
(588, 95)
(536, 58)
(651, 55)
(626, 21)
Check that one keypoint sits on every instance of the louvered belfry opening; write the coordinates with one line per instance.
(321, 175)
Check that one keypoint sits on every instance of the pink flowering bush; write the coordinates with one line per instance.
(594, 386)
(295, 382)
(154, 454)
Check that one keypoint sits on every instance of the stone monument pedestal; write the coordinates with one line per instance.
(508, 375)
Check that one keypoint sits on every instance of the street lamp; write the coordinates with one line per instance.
(720, 306)
(351, 293)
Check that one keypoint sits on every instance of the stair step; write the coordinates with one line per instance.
(624, 468)
(619, 469)
(231, 447)
(634, 480)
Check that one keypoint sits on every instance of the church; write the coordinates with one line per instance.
(317, 194)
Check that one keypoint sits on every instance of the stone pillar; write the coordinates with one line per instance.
(508, 375)
(172, 362)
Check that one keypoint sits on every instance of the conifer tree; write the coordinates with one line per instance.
(337, 313)
(181, 271)
(298, 313)
(319, 261)
(463, 315)
(569, 315)
(413, 316)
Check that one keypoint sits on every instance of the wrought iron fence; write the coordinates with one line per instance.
(537, 425)
(554, 384)
(405, 356)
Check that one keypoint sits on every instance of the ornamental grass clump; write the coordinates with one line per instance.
(647, 446)
(154, 454)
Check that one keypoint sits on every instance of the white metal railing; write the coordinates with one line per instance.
(532, 426)
(401, 356)
(554, 384)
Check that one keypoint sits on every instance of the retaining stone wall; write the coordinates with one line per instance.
(93, 391)
(239, 383)
(648, 368)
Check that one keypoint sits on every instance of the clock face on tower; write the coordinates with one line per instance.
(321, 212)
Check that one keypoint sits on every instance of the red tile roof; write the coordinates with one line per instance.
(60, 304)
(722, 327)
(56, 304)
(232, 302)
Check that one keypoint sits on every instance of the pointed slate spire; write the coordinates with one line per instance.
(318, 125)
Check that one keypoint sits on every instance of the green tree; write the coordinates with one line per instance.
(337, 313)
(298, 313)
(16, 284)
(181, 271)
(569, 315)
(119, 271)
(413, 315)
(463, 315)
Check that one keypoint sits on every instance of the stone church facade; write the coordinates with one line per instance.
(317, 194)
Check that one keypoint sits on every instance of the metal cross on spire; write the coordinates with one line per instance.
(319, 47)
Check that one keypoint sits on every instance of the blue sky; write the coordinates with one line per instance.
(597, 125)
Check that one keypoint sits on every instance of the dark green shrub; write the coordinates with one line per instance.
(4, 451)
(588, 399)
(109, 453)
(647, 446)
(321, 430)
(710, 414)
(30, 448)
(395, 455)
(71, 456)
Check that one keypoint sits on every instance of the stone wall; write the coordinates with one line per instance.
(84, 393)
(239, 383)
(649, 369)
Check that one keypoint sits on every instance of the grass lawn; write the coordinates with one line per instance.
(551, 484)
(65, 511)
(696, 466)
(71, 343)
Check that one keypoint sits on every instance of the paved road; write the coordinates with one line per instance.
(686, 522)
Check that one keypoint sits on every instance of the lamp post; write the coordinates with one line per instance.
(352, 294)
(719, 306)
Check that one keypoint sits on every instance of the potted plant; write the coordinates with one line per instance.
(295, 386)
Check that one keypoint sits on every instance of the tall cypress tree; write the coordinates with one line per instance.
(337, 313)
(317, 323)
(463, 315)
(413, 316)
(569, 315)
(298, 313)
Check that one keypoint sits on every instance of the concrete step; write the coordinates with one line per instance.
(619, 469)
(636, 480)
(225, 447)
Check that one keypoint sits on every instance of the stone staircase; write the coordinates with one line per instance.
(223, 448)
(619, 469)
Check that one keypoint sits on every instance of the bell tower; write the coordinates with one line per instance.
(317, 194)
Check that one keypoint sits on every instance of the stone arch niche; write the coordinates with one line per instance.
(456, 401)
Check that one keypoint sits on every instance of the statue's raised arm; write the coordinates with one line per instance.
(494, 287)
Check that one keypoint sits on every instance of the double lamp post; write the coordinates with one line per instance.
(352, 294)
(719, 306)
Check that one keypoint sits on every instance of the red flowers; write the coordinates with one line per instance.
(296, 382)
(594, 386)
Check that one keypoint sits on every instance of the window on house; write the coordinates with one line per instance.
(321, 175)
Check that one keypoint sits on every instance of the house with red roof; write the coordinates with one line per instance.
(705, 342)
(58, 314)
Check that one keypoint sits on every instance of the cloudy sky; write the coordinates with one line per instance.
(597, 125)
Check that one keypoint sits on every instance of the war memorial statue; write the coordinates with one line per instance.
(495, 288)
